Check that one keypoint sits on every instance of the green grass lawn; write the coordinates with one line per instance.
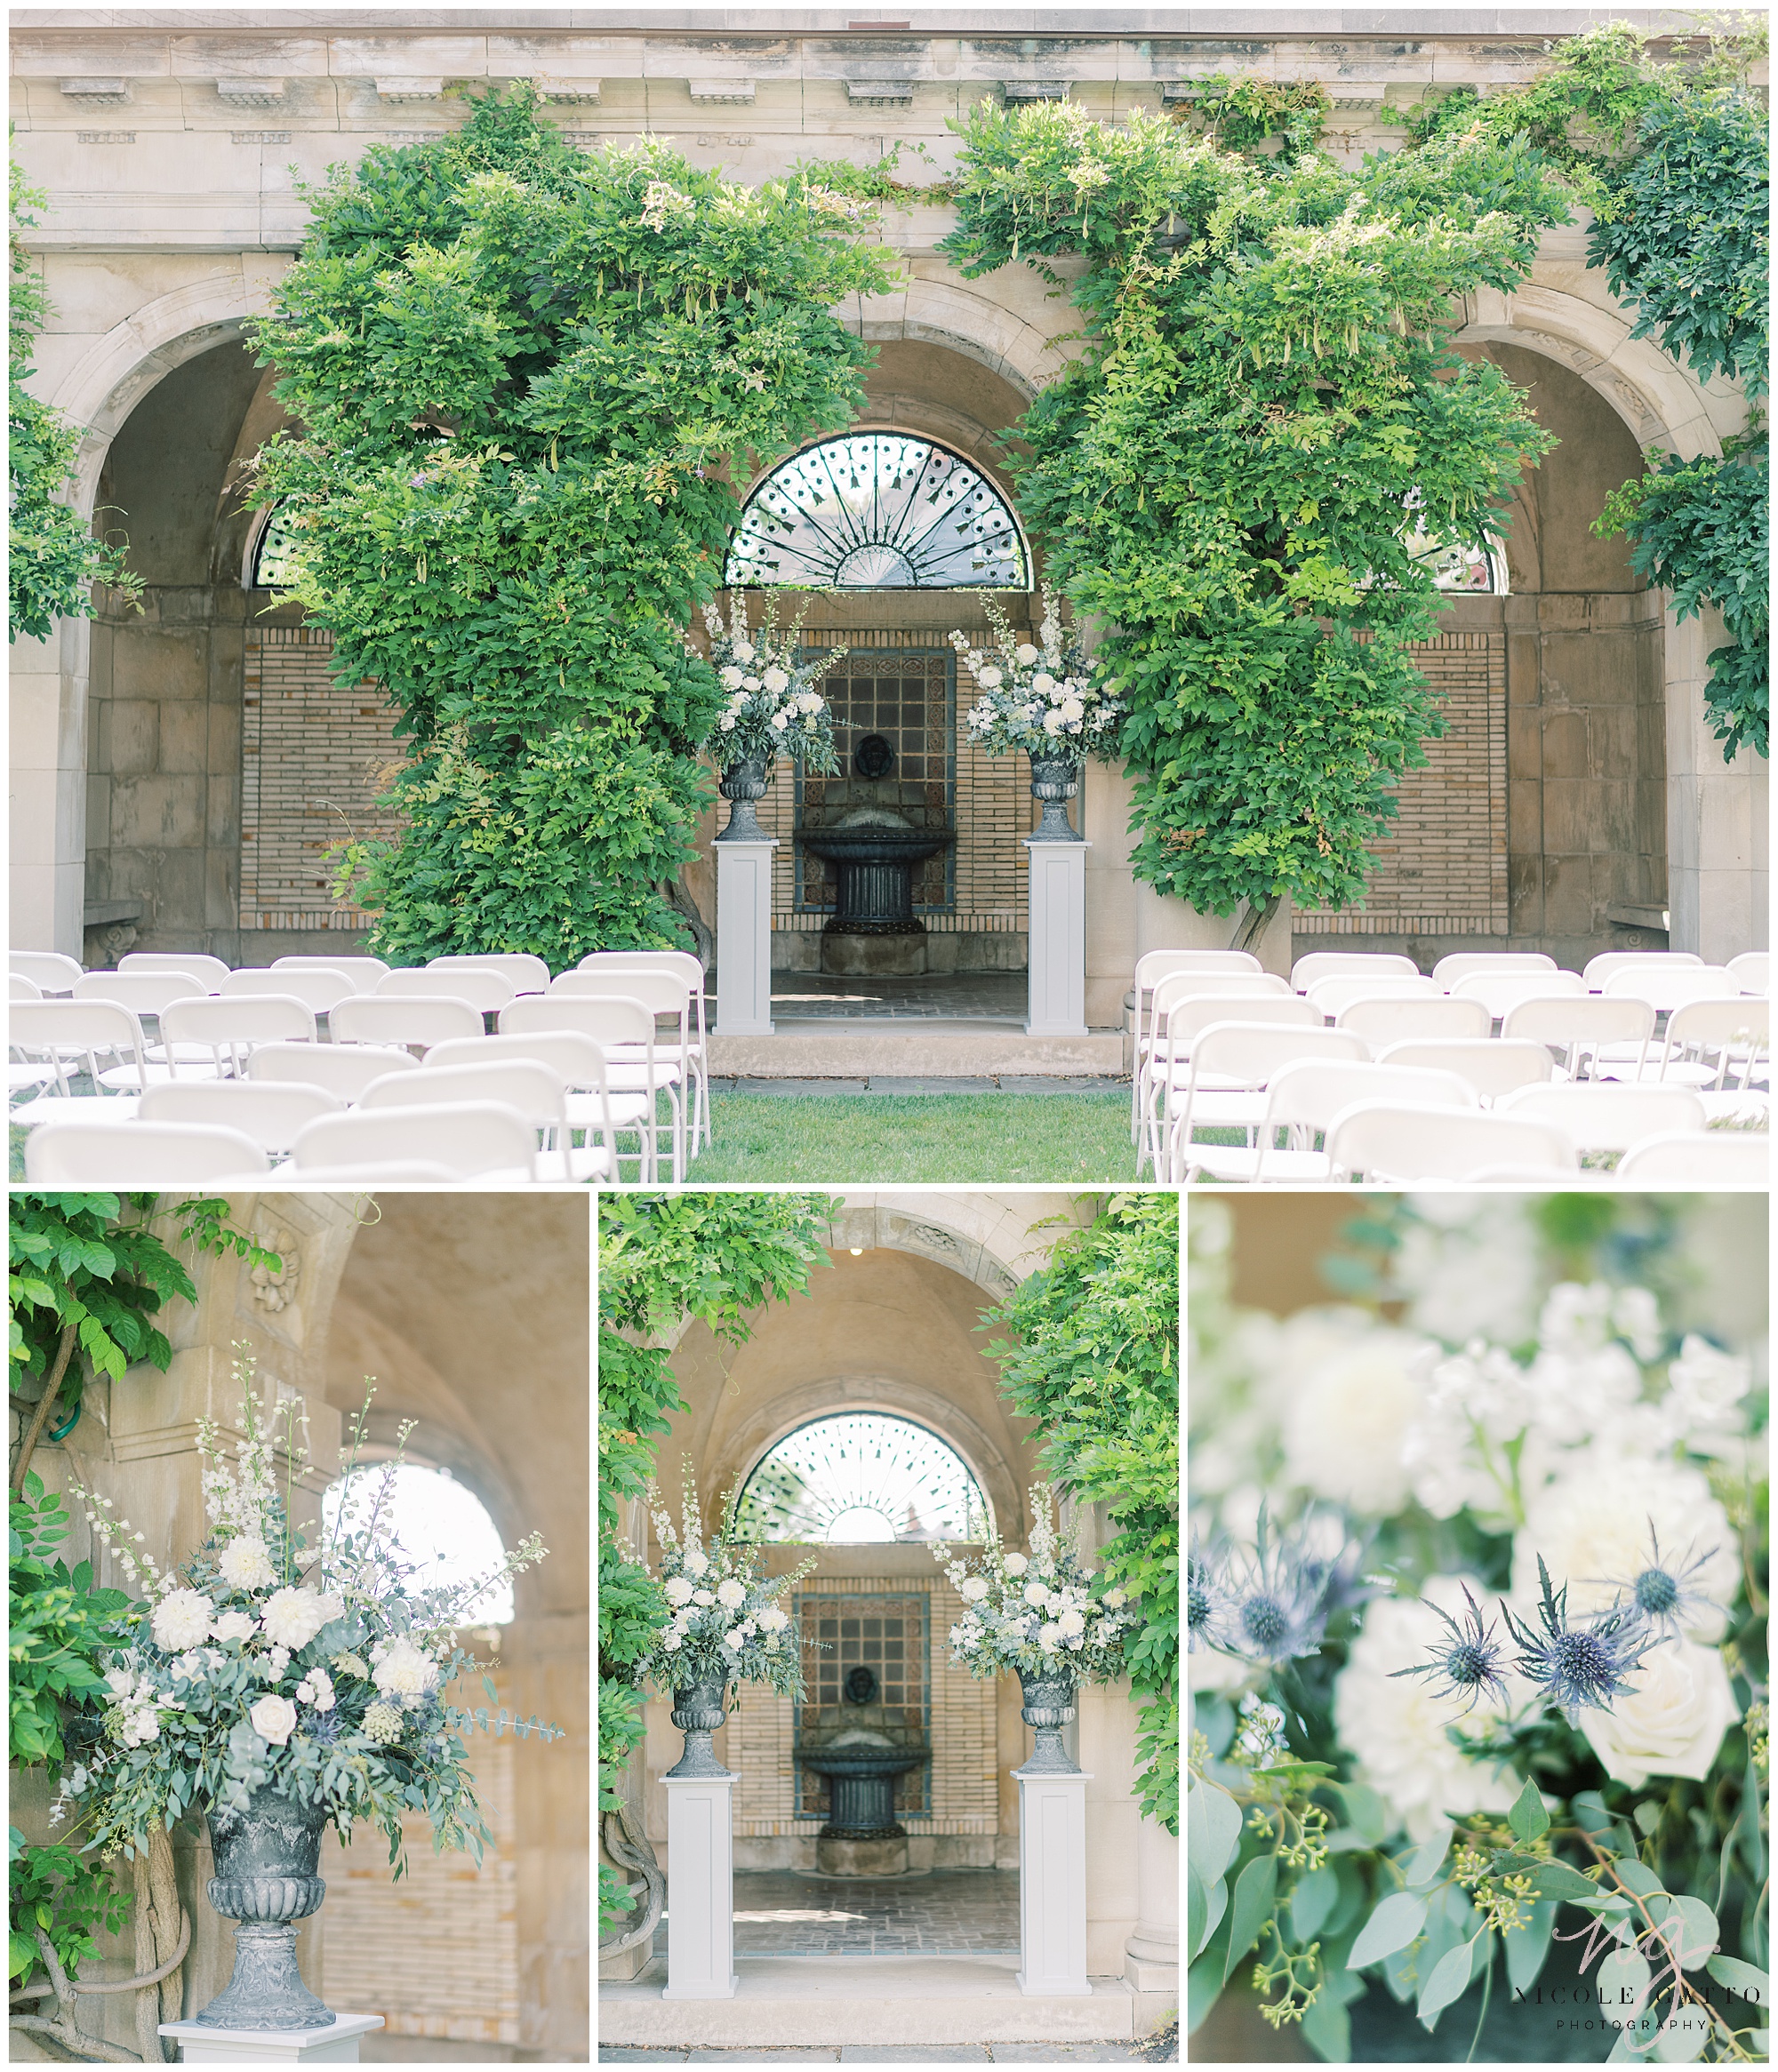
(880, 1139)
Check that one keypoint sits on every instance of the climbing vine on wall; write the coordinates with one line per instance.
(1224, 476)
(717, 1259)
(522, 372)
(1094, 1357)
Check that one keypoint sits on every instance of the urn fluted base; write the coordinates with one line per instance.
(1047, 1709)
(743, 784)
(266, 1882)
(698, 1713)
(1054, 780)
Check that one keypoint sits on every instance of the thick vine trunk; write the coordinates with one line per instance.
(28, 1445)
(1256, 919)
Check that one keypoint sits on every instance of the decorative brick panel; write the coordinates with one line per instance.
(312, 755)
(1442, 867)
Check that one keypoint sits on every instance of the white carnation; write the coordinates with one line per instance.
(727, 722)
(1674, 1723)
(245, 1565)
(182, 1619)
(811, 703)
(141, 1725)
(695, 1562)
(1071, 1623)
(744, 651)
(1707, 1383)
(1114, 1598)
(730, 678)
(973, 1591)
(1049, 1636)
(775, 1620)
(779, 721)
(292, 1618)
(672, 1639)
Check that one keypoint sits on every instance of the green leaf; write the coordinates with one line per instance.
(1681, 2038)
(1637, 1878)
(1527, 1947)
(1213, 1828)
(1648, 1814)
(1747, 1979)
(1313, 1901)
(1623, 1982)
(1392, 1926)
(1449, 1981)
(1327, 2027)
(1528, 1819)
(1250, 1909)
(1215, 1903)
(1689, 1928)
(1367, 1811)
(1423, 1865)
(1556, 1881)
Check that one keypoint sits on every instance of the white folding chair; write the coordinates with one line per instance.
(323, 986)
(1493, 1068)
(209, 971)
(1735, 1032)
(524, 973)
(51, 1035)
(1752, 970)
(1448, 969)
(1600, 968)
(485, 989)
(1232, 1063)
(1393, 1018)
(144, 993)
(364, 972)
(136, 1153)
(581, 1064)
(536, 1091)
(1163, 991)
(1350, 963)
(689, 968)
(1602, 1116)
(1667, 986)
(1339, 989)
(344, 1069)
(214, 1038)
(1699, 1158)
(415, 1020)
(397, 1172)
(1180, 1014)
(664, 1061)
(19, 987)
(272, 1113)
(48, 969)
(1392, 1142)
(483, 1140)
(1588, 1029)
(1302, 1102)
(1500, 991)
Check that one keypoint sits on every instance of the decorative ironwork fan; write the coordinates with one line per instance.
(877, 511)
(858, 1477)
(271, 552)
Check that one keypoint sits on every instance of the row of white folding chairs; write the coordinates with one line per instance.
(554, 1082)
(212, 1039)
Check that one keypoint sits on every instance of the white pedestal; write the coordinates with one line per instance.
(744, 937)
(335, 2045)
(1053, 1882)
(1058, 939)
(699, 1889)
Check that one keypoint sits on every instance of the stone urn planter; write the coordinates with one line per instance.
(743, 783)
(698, 1712)
(1054, 780)
(1048, 1707)
(266, 1882)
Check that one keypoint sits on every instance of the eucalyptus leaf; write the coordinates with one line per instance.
(1637, 1878)
(1648, 1815)
(1313, 1900)
(1681, 2038)
(1528, 1819)
(1327, 2029)
(1365, 1811)
(1556, 1881)
(1449, 1981)
(1252, 1905)
(1689, 1929)
(1423, 1865)
(1213, 1827)
(1623, 1981)
(1392, 1926)
(1747, 1979)
(1527, 1947)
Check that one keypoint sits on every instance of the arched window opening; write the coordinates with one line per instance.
(877, 511)
(1460, 566)
(859, 1477)
(440, 1530)
(270, 566)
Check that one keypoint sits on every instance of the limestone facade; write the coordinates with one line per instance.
(1578, 798)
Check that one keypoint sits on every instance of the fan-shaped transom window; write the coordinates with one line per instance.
(1458, 566)
(859, 1477)
(271, 568)
(877, 511)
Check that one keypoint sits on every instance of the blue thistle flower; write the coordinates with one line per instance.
(1276, 1608)
(1659, 1593)
(1469, 1661)
(1579, 1666)
(1205, 1609)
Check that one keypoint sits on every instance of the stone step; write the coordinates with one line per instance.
(909, 1048)
(838, 2000)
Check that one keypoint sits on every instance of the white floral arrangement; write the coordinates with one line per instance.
(1037, 1612)
(1041, 698)
(724, 1625)
(318, 1671)
(1478, 1581)
(771, 706)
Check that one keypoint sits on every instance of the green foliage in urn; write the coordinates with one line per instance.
(1280, 324)
(522, 372)
(716, 1258)
(52, 557)
(1093, 1355)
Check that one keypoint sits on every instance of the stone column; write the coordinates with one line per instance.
(700, 1887)
(48, 747)
(1717, 847)
(1151, 1955)
(1058, 922)
(1052, 1881)
(743, 937)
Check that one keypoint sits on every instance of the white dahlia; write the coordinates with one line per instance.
(1348, 1417)
(182, 1619)
(292, 1618)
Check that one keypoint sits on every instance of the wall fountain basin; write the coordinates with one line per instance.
(873, 850)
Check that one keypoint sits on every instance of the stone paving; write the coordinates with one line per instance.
(948, 1913)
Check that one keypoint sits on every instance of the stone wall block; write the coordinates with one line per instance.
(127, 737)
(161, 663)
(1567, 895)
(158, 813)
(184, 737)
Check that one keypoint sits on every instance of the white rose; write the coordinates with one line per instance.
(403, 1671)
(1345, 1429)
(1043, 683)
(1036, 1594)
(122, 1681)
(246, 1564)
(1049, 1638)
(744, 651)
(973, 1590)
(1674, 1723)
(233, 1626)
(990, 677)
(678, 1591)
(730, 678)
(1395, 1727)
(292, 1618)
(779, 721)
(1071, 1623)
(1015, 1565)
(672, 1639)
(776, 680)
(752, 682)
(737, 1640)
(275, 1718)
(730, 1593)
(703, 1598)
(1025, 654)
(727, 722)
(181, 1620)
(331, 1606)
